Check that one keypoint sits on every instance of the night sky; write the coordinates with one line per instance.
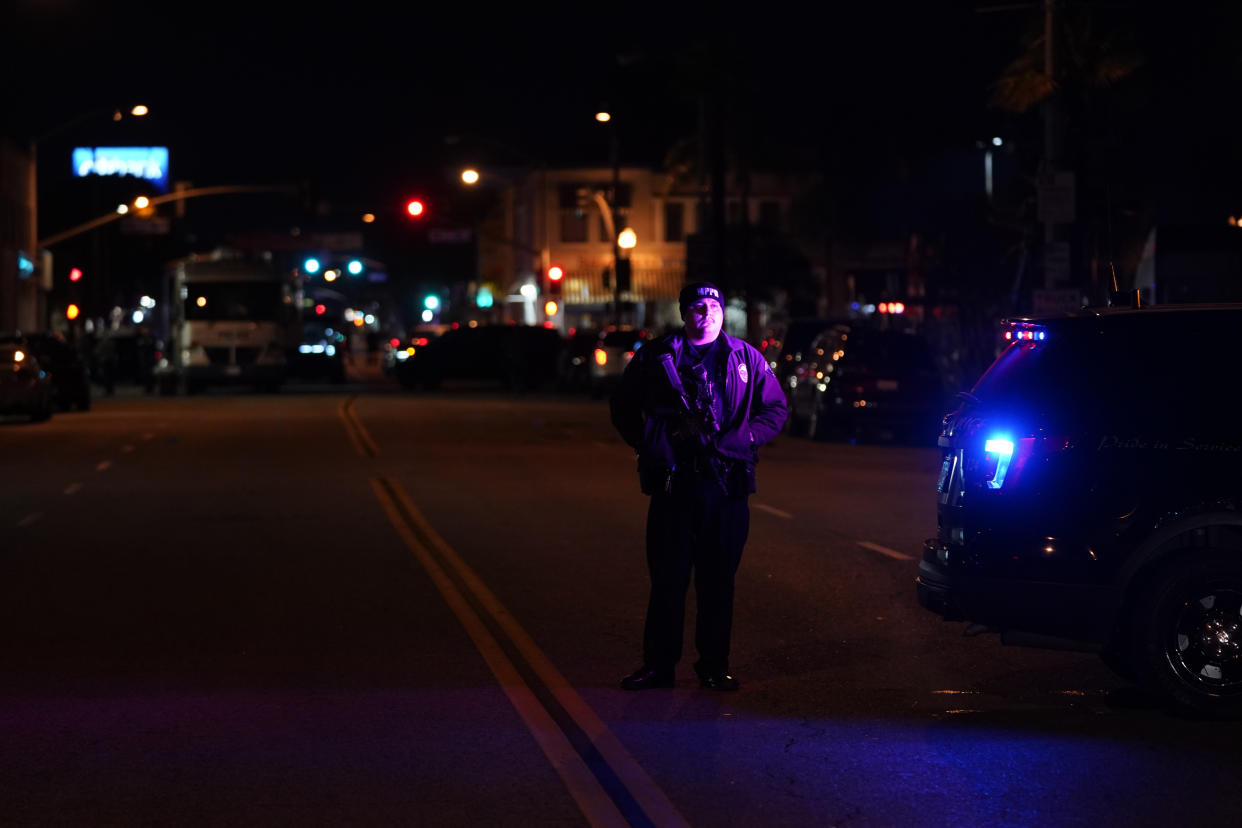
(887, 100)
(361, 96)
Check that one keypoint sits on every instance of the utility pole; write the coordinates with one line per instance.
(614, 152)
(1050, 229)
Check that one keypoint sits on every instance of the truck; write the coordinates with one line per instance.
(231, 319)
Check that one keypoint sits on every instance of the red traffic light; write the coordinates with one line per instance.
(321, 309)
(75, 274)
(556, 273)
(414, 207)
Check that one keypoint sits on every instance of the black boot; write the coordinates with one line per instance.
(647, 678)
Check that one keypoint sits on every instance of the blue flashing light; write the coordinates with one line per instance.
(1001, 449)
(311, 265)
(1025, 332)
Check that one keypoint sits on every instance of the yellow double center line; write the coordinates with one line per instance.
(358, 435)
(604, 780)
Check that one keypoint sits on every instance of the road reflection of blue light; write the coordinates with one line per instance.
(951, 769)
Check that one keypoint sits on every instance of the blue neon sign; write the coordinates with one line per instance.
(150, 163)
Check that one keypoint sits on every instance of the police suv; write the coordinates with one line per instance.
(1090, 497)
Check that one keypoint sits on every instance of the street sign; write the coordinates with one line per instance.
(449, 235)
(154, 226)
(150, 163)
(1056, 198)
(1056, 264)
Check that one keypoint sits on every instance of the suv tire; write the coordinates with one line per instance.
(1191, 640)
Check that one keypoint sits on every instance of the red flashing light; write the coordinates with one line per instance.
(414, 207)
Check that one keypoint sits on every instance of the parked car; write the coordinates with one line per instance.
(1090, 497)
(614, 348)
(25, 388)
(786, 344)
(400, 349)
(574, 370)
(67, 370)
(320, 355)
(855, 381)
(516, 357)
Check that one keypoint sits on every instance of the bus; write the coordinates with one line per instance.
(231, 320)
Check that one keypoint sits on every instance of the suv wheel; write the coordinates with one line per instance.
(1192, 641)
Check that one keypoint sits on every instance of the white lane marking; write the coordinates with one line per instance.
(127, 448)
(73, 488)
(103, 465)
(30, 518)
(884, 550)
(772, 511)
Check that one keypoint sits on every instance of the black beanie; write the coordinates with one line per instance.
(695, 291)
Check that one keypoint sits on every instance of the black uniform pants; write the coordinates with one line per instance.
(701, 529)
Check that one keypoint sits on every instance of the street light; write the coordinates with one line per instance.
(609, 208)
(528, 254)
(136, 111)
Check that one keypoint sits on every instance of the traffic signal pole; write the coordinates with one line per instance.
(177, 196)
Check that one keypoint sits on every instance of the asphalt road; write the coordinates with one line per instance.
(355, 606)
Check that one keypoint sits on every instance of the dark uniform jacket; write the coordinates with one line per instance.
(645, 414)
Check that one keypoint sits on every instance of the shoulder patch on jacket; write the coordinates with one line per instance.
(742, 373)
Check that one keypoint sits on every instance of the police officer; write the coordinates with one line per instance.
(696, 405)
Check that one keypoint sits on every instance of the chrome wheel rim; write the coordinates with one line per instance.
(1205, 642)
